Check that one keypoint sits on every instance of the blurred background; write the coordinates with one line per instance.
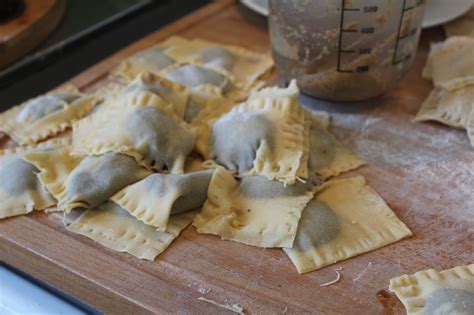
(46, 42)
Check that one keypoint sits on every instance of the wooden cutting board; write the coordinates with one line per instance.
(29, 29)
(425, 172)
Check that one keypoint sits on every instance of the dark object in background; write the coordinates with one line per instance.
(46, 73)
(10, 9)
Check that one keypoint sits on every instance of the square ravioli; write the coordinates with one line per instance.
(113, 227)
(139, 124)
(151, 59)
(154, 199)
(85, 182)
(431, 292)
(328, 157)
(345, 219)
(254, 211)
(451, 63)
(21, 191)
(206, 84)
(174, 94)
(46, 115)
(244, 67)
(264, 136)
(451, 108)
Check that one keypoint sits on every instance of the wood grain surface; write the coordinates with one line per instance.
(423, 171)
(22, 34)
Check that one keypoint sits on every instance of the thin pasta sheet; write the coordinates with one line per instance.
(172, 93)
(242, 66)
(46, 115)
(263, 136)
(451, 108)
(113, 227)
(432, 292)
(152, 59)
(154, 199)
(345, 219)
(85, 182)
(21, 191)
(451, 63)
(254, 210)
(139, 124)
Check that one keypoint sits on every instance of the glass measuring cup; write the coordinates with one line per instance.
(344, 50)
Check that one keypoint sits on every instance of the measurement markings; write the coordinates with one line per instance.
(400, 37)
(341, 31)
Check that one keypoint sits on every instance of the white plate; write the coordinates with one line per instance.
(437, 11)
(259, 6)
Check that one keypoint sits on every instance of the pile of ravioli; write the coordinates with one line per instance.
(450, 65)
(184, 133)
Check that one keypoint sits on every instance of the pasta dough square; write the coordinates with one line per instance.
(254, 211)
(431, 292)
(21, 191)
(46, 115)
(113, 227)
(264, 136)
(85, 182)
(242, 66)
(345, 219)
(452, 62)
(151, 59)
(138, 124)
(153, 199)
(448, 107)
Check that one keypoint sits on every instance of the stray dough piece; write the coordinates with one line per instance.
(254, 211)
(158, 196)
(139, 124)
(172, 93)
(21, 191)
(242, 66)
(115, 228)
(431, 292)
(448, 107)
(452, 62)
(346, 218)
(263, 136)
(85, 182)
(46, 115)
(153, 59)
(236, 308)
